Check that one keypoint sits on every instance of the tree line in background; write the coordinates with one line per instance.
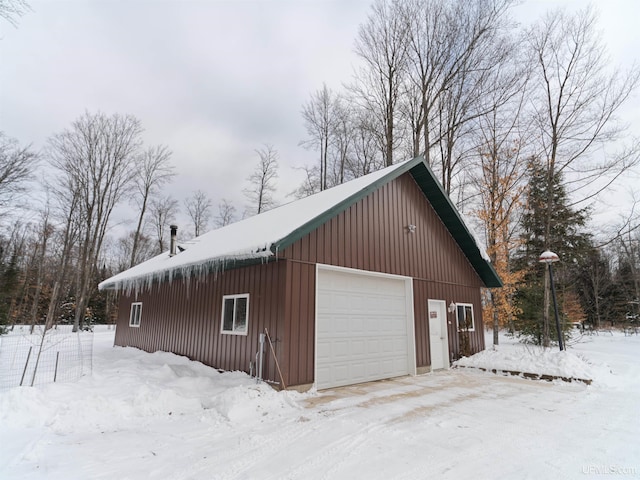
(50, 267)
(520, 125)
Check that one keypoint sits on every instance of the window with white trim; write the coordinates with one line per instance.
(235, 314)
(464, 314)
(136, 314)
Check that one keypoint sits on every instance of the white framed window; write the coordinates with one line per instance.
(464, 315)
(136, 314)
(235, 314)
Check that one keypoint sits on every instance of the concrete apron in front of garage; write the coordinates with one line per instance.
(424, 395)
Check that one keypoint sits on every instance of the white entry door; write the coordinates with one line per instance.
(364, 327)
(438, 338)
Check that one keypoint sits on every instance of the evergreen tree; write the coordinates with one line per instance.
(8, 286)
(596, 288)
(627, 281)
(566, 239)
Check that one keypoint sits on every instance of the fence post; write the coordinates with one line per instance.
(25, 366)
(55, 372)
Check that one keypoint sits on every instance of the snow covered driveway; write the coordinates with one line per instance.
(161, 416)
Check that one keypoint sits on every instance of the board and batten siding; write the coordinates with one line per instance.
(372, 235)
(184, 317)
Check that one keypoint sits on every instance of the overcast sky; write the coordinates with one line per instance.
(213, 80)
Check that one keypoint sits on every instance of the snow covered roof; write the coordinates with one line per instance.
(260, 237)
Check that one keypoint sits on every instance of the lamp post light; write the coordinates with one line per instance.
(549, 257)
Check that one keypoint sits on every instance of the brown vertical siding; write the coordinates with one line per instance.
(376, 226)
(423, 292)
(372, 235)
(300, 323)
(184, 317)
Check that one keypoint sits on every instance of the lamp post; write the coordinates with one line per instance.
(549, 257)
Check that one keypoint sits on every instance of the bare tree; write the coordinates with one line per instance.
(500, 186)
(120, 253)
(226, 213)
(574, 109)
(595, 284)
(488, 72)
(43, 235)
(163, 211)
(382, 45)
(629, 260)
(16, 167)
(69, 217)
(261, 189)
(319, 118)
(11, 10)
(332, 122)
(199, 210)
(501, 201)
(310, 184)
(445, 39)
(342, 140)
(365, 156)
(153, 171)
(95, 156)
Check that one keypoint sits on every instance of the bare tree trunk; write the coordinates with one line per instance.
(382, 45)
(163, 212)
(44, 238)
(320, 118)
(68, 240)
(96, 157)
(138, 231)
(199, 210)
(153, 172)
(260, 192)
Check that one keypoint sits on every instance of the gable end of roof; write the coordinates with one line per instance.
(327, 215)
(451, 218)
(438, 198)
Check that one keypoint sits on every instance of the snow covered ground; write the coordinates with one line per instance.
(530, 359)
(160, 416)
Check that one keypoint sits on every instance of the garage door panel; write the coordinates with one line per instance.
(362, 328)
(323, 352)
(373, 346)
(358, 347)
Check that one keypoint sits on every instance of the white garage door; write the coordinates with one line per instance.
(364, 327)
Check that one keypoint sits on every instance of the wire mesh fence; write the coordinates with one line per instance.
(57, 355)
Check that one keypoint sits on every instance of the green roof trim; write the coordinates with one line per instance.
(327, 215)
(440, 201)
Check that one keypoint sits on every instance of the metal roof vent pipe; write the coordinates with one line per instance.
(172, 244)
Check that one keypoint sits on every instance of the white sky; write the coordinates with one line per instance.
(213, 80)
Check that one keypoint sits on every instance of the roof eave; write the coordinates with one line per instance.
(212, 265)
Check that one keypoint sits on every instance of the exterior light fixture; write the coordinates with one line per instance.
(549, 258)
(412, 228)
(452, 307)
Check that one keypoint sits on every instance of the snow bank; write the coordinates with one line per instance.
(530, 359)
(131, 384)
